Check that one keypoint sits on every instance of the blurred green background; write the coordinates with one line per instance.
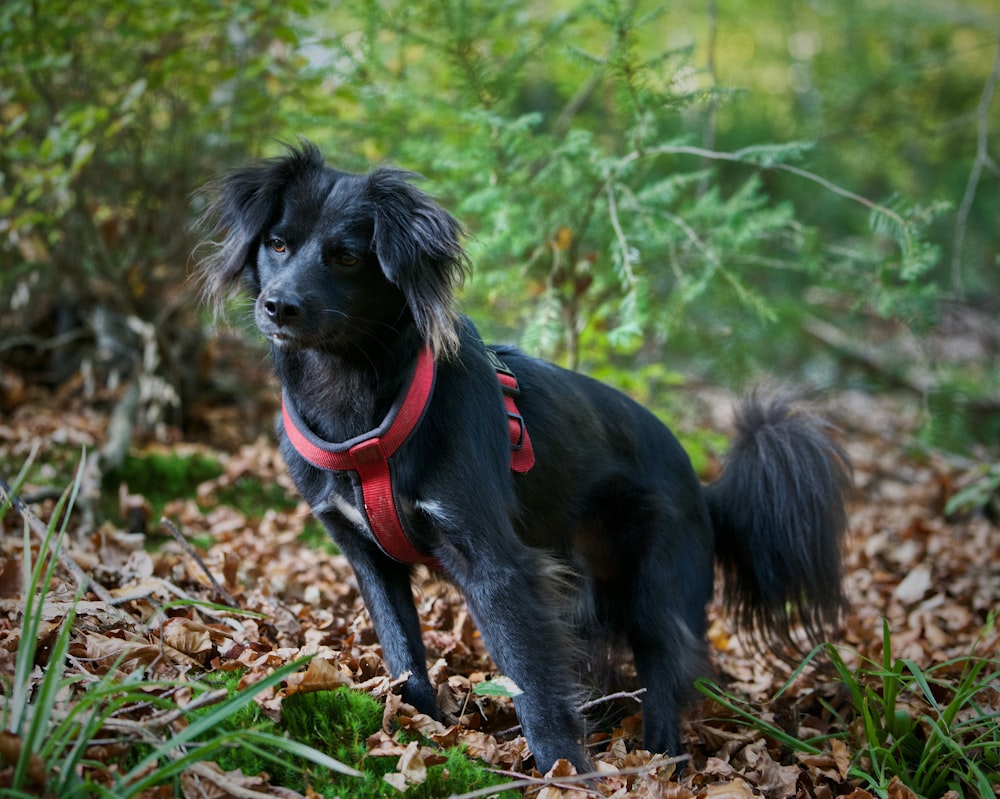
(656, 193)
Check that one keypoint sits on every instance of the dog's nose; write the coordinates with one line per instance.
(282, 309)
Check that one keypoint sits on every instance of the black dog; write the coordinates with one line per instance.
(608, 535)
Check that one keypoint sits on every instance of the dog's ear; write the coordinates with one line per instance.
(418, 245)
(241, 204)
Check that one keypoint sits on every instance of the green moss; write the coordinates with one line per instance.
(315, 536)
(255, 497)
(336, 722)
(459, 774)
(339, 723)
(160, 477)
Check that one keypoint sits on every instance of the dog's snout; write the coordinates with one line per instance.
(283, 308)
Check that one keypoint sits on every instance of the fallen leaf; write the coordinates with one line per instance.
(896, 790)
(11, 750)
(737, 789)
(915, 585)
(411, 765)
(320, 675)
(188, 636)
(841, 756)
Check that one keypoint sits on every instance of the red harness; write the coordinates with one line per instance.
(369, 455)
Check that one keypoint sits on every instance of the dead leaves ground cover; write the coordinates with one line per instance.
(935, 579)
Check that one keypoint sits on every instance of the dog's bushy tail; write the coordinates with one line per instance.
(779, 518)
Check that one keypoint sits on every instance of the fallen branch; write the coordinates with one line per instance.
(601, 700)
(570, 780)
(612, 698)
(982, 161)
(190, 550)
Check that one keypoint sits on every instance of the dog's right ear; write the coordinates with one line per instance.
(241, 205)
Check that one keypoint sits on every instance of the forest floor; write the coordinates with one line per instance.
(933, 578)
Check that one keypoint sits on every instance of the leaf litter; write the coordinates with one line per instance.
(234, 591)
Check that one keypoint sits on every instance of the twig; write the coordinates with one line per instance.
(708, 132)
(166, 717)
(740, 157)
(190, 550)
(611, 698)
(584, 707)
(622, 238)
(220, 780)
(972, 184)
(574, 779)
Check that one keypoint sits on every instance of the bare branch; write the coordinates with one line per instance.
(740, 157)
(982, 161)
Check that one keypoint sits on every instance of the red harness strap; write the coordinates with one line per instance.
(369, 454)
(522, 454)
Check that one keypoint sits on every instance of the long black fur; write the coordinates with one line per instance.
(351, 275)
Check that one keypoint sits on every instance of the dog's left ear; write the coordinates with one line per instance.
(239, 205)
(418, 245)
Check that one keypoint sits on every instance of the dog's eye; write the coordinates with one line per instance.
(346, 259)
(277, 245)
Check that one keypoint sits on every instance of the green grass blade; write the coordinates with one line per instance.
(298, 749)
(920, 678)
(32, 732)
(708, 688)
(137, 779)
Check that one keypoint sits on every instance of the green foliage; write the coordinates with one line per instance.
(336, 722)
(633, 193)
(340, 721)
(255, 497)
(500, 686)
(935, 729)
(983, 493)
(571, 140)
(113, 112)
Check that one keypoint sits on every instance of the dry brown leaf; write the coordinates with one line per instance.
(320, 675)
(191, 637)
(411, 765)
(775, 780)
(841, 756)
(11, 749)
(104, 650)
(737, 789)
(562, 792)
(423, 724)
(11, 582)
(915, 585)
(396, 780)
(934, 579)
(896, 790)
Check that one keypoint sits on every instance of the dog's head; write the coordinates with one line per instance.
(334, 259)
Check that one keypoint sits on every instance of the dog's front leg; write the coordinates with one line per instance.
(388, 595)
(514, 600)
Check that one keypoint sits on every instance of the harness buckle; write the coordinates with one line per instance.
(508, 380)
(517, 429)
(368, 453)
